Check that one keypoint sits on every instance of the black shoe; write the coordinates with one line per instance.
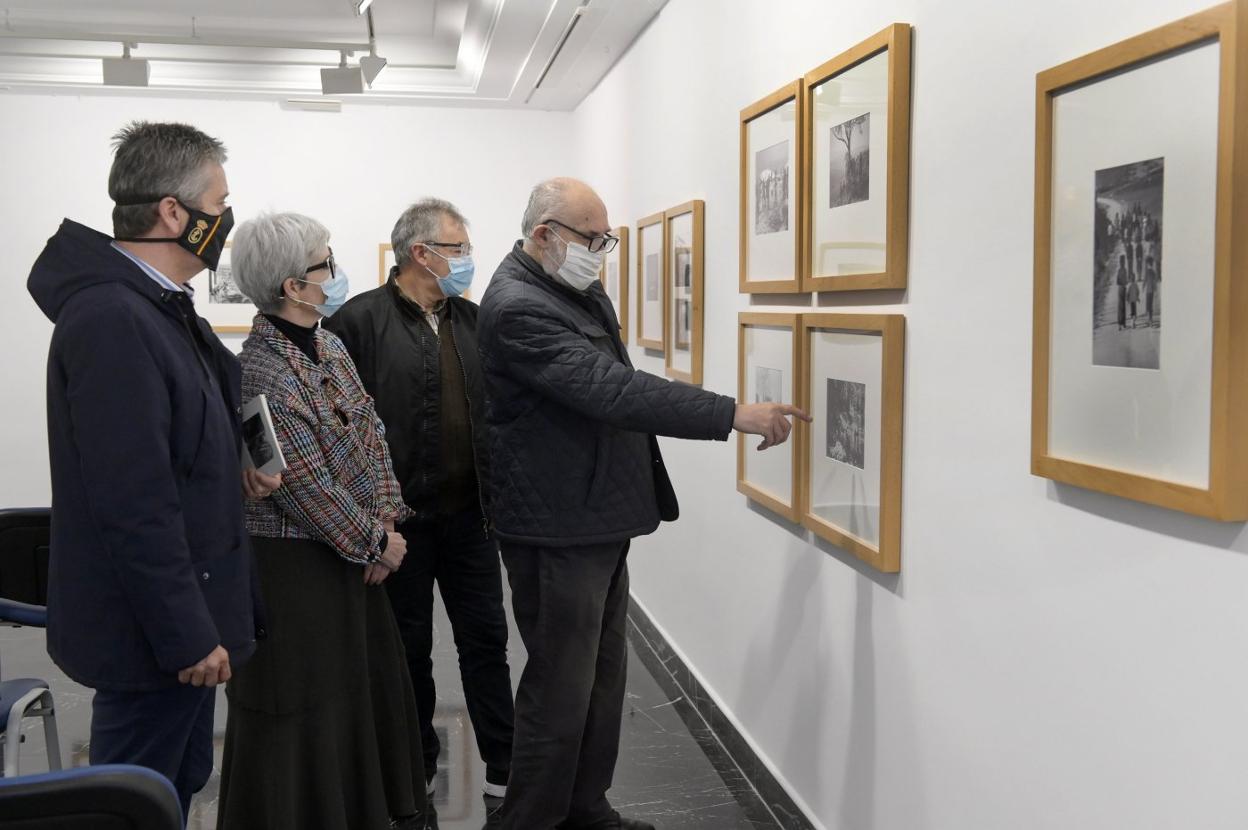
(493, 812)
(496, 782)
(635, 824)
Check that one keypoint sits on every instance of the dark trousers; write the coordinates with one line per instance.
(571, 605)
(169, 730)
(462, 558)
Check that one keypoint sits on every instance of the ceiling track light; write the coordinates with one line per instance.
(126, 71)
(371, 65)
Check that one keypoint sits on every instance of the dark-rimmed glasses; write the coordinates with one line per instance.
(604, 242)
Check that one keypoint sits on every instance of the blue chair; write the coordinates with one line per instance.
(25, 697)
(107, 797)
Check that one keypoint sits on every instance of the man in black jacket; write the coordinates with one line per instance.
(576, 475)
(150, 596)
(414, 341)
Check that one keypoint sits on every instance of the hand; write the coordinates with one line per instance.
(213, 669)
(770, 420)
(375, 574)
(256, 485)
(396, 549)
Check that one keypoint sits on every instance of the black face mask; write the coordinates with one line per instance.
(204, 235)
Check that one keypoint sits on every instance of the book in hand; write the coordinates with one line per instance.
(260, 447)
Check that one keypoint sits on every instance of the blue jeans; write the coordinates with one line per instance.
(168, 730)
(458, 554)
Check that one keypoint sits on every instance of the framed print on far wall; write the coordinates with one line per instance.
(768, 371)
(684, 241)
(614, 277)
(219, 301)
(650, 252)
(385, 262)
(771, 182)
(850, 488)
(856, 162)
(1139, 345)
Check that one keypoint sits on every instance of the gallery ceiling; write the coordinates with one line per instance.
(544, 54)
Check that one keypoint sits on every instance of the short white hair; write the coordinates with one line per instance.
(422, 222)
(270, 249)
(547, 199)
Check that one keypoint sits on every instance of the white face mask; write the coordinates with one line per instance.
(580, 268)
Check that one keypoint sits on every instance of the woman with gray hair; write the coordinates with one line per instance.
(322, 730)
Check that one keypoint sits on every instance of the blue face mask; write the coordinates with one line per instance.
(336, 291)
(457, 281)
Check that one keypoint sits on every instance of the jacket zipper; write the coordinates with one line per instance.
(186, 327)
(485, 520)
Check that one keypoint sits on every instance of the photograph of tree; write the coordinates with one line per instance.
(849, 175)
(847, 415)
(771, 189)
(1126, 267)
(768, 384)
(653, 273)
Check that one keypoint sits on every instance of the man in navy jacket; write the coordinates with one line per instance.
(150, 595)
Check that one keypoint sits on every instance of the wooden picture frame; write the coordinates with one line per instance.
(231, 317)
(761, 225)
(852, 201)
(648, 283)
(861, 453)
(683, 290)
(385, 259)
(618, 257)
(760, 488)
(1197, 458)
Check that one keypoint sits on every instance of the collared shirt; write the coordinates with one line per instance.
(433, 316)
(161, 279)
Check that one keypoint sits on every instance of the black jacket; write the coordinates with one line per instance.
(150, 563)
(572, 424)
(399, 363)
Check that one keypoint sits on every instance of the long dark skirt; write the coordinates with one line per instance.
(322, 731)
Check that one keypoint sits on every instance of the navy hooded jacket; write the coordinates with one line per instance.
(150, 562)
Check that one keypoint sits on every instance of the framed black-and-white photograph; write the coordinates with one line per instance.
(219, 300)
(768, 371)
(1139, 306)
(853, 367)
(650, 309)
(615, 279)
(771, 182)
(856, 122)
(683, 287)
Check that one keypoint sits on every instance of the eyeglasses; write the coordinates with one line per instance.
(603, 242)
(459, 248)
(328, 263)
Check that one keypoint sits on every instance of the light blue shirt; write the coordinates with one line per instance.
(159, 278)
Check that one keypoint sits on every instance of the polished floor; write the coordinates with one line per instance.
(672, 775)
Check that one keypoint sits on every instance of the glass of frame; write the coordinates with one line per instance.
(857, 165)
(1139, 343)
(850, 489)
(614, 277)
(768, 371)
(771, 135)
(683, 239)
(220, 301)
(650, 282)
(385, 262)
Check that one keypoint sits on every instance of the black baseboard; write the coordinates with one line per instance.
(707, 722)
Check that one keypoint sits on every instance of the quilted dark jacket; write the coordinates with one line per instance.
(571, 422)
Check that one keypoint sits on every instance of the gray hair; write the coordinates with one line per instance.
(422, 222)
(152, 161)
(545, 200)
(270, 249)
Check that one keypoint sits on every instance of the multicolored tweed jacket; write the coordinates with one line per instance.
(339, 485)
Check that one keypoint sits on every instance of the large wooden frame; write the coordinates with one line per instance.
(696, 208)
(791, 92)
(886, 555)
(383, 268)
(896, 40)
(1226, 497)
(622, 250)
(642, 224)
(747, 443)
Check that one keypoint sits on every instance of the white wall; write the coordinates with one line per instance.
(355, 171)
(1049, 658)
